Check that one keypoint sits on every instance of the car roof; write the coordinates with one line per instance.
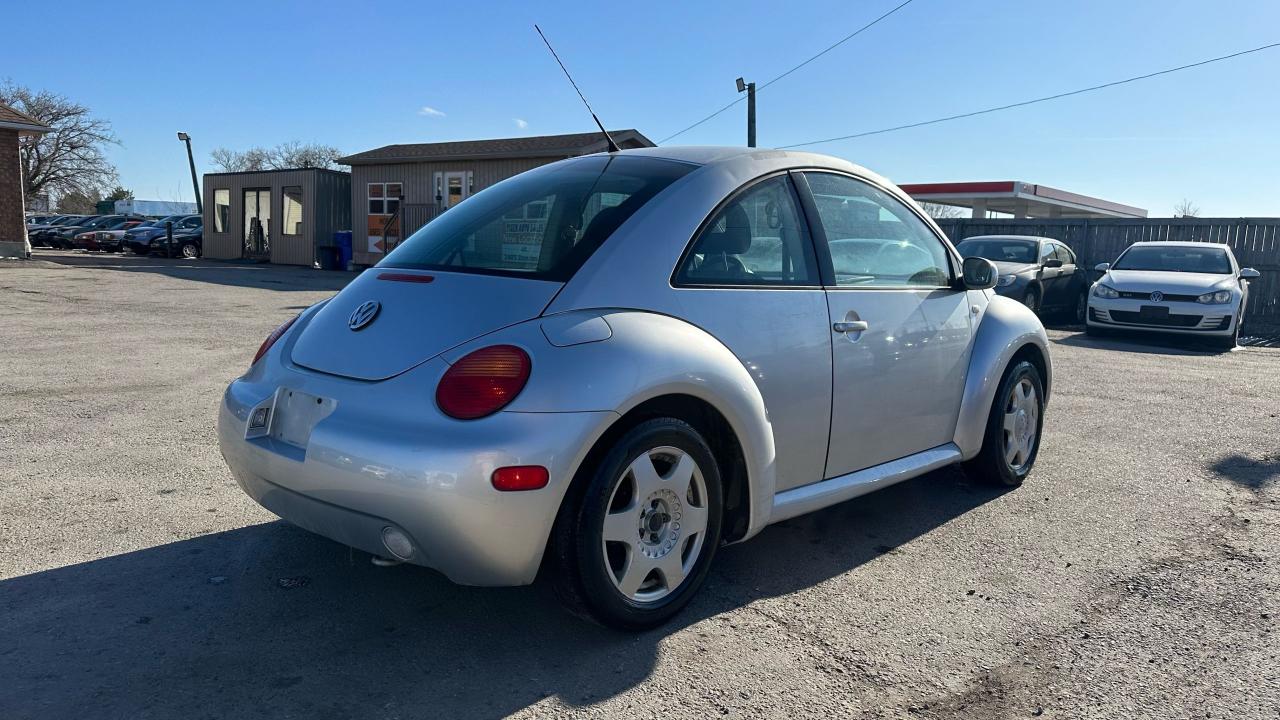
(1179, 243)
(716, 155)
(1035, 238)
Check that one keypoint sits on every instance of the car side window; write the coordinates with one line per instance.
(756, 238)
(873, 238)
(1046, 252)
(1065, 255)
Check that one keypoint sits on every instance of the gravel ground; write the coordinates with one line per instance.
(1134, 575)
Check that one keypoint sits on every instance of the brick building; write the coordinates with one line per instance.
(13, 226)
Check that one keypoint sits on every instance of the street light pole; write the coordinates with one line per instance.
(750, 89)
(195, 182)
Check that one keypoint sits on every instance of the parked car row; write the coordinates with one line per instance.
(1184, 288)
(120, 233)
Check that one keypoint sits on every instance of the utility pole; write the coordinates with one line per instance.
(750, 89)
(195, 182)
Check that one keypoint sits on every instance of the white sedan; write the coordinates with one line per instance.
(1188, 288)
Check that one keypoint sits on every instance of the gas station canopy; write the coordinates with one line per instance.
(1019, 199)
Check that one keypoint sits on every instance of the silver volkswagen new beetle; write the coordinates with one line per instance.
(605, 368)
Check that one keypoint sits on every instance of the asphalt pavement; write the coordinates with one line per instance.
(1134, 575)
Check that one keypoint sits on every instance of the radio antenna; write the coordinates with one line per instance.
(613, 146)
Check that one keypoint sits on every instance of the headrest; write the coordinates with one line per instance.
(730, 234)
(604, 223)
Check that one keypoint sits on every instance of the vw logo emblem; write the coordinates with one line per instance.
(1157, 296)
(364, 314)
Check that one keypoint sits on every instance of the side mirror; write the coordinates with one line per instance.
(1053, 263)
(979, 274)
(1102, 267)
(1249, 274)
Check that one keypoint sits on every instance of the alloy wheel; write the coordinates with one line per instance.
(188, 251)
(655, 524)
(1021, 425)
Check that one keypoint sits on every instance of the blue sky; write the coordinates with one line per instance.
(358, 75)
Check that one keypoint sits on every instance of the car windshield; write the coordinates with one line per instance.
(999, 250)
(542, 224)
(1169, 258)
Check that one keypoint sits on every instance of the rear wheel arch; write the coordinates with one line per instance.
(714, 428)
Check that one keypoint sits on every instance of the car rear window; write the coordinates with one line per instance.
(1169, 258)
(1022, 251)
(542, 224)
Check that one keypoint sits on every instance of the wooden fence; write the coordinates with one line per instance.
(1255, 242)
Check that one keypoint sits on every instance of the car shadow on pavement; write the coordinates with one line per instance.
(1154, 345)
(238, 274)
(271, 620)
(1248, 472)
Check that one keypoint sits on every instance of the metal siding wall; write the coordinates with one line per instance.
(321, 192)
(227, 245)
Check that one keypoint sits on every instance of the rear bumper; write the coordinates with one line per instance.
(1185, 318)
(384, 457)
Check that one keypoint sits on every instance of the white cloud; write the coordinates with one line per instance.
(429, 111)
(520, 123)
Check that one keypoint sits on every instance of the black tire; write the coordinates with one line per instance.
(990, 465)
(189, 251)
(1032, 300)
(581, 566)
(1078, 313)
(1229, 343)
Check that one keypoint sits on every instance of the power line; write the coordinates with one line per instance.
(1030, 102)
(842, 41)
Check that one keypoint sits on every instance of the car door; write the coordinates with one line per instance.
(1050, 287)
(750, 278)
(900, 331)
(1070, 277)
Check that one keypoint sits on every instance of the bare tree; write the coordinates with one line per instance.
(297, 155)
(938, 211)
(78, 202)
(1186, 209)
(285, 156)
(68, 159)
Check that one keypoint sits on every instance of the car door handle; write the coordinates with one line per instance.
(849, 326)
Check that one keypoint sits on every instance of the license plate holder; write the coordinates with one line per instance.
(1153, 312)
(295, 414)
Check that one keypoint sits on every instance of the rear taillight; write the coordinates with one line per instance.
(483, 382)
(271, 340)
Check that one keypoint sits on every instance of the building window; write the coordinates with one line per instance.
(384, 198)
(221, 210)
(291, 210)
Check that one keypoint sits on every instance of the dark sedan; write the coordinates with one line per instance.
(141, 239)
(186, 244)
(66, 237)
(1039, 272)
(44, 233)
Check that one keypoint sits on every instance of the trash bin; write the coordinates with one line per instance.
(342, 239)
(327, 256)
